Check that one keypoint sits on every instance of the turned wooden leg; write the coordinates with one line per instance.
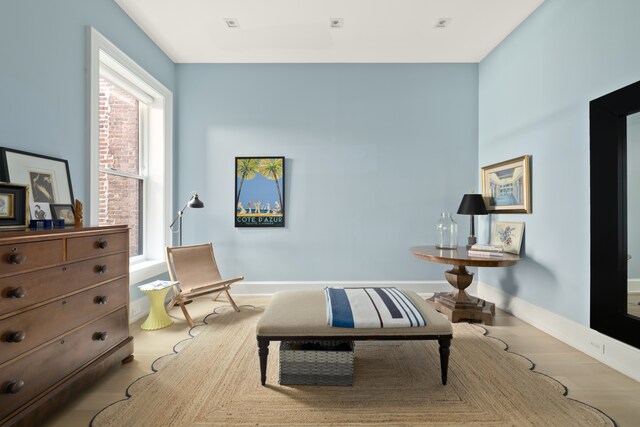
(263, 352)
(445, 344)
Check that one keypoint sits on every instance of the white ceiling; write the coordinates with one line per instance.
(298, 31)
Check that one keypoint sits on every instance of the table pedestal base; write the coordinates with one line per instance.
(459, 305)
(474, 309)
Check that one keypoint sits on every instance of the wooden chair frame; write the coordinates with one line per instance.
(198, 276)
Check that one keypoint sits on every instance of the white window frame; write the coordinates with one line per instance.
(158, 191)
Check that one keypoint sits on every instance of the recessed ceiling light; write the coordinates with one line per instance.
(336, 22)
(442, 23)
(232, 22)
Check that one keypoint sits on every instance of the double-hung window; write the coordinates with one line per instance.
(131, 160)
(123, 167)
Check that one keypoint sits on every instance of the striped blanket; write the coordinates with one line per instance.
(371, 308)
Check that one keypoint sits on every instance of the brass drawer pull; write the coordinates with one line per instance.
(17, 293)
(101, 299)
(16, 336)
(101, 269)
(102, 244)
(14, 387)
(100, 336)
(17, 258)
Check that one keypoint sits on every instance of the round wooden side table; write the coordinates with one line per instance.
(458, 304)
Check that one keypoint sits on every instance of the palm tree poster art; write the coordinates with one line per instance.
(259, 192)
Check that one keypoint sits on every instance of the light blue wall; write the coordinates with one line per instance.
(535, 89)
(43, 100)
(374, 154)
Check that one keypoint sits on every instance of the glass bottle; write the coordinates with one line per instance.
(446, 232)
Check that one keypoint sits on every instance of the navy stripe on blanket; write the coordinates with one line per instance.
(371, 308)
(391, 306)
(340, 308)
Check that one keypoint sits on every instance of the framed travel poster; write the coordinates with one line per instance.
(506, 186)
(259, 192)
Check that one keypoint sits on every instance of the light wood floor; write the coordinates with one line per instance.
(587, 379)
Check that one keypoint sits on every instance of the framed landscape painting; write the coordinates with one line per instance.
(259, 192)
(506, 186)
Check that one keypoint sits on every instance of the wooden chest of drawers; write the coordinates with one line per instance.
(64, 316)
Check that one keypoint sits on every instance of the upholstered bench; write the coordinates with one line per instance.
(302, 316)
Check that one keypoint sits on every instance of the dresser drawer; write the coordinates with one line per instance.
(94, 246)
(28, 330)
(27, 289)
(30, 375)
(21, 257)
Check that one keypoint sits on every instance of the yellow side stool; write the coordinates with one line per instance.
(158, 317)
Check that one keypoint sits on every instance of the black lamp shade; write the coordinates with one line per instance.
(472, 204)
(195, 202)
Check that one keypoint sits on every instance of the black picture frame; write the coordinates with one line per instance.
(48, 177)
(609, 246)
(14, 209)
(61, 211)
(261, 205)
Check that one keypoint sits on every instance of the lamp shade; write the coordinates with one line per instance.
(195, 202)
(472, 204)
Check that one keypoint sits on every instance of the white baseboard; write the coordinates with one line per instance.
(616, 354)
(246, 288)
(634, 286)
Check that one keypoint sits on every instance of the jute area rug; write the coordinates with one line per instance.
(215, 380)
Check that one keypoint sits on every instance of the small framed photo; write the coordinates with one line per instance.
(6, 206)
(48, 177)
(40, 211)
(508, 235)
(506, 186)
(14, 205)
(64, 212)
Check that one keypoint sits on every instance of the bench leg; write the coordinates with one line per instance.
(445, 344)
(263, 352)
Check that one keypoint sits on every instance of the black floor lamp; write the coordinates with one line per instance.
(194, 202)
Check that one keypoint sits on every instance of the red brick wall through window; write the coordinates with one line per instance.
(120, 150)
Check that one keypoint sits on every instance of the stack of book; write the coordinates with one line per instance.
(486, 251)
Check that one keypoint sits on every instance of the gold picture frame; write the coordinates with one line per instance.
(14, 206)
(506, 186)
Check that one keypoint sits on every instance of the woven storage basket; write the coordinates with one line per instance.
(316, 362)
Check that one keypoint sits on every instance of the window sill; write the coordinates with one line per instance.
(145, 270)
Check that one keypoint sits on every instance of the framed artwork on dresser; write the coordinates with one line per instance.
(64, 212)
(48, 177)
(14, 210)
